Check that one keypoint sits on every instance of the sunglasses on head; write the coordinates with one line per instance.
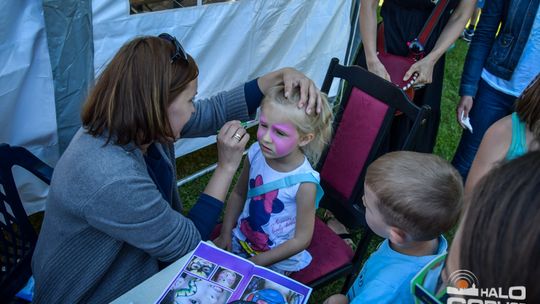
(426, 285)
(179, 52)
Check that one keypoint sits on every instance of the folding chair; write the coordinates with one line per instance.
(363, 120)
(18, 237)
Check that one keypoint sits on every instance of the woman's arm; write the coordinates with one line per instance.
(450, 33)
(368, 30)
(305, 223)
(230, 152)
(493, 149)
(481, 44)
(212, 113)
(235, 205)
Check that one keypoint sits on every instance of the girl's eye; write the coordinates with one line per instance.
(262, 125)
(281, 133)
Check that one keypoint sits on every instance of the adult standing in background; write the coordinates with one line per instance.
(403, 21)
(499, 65)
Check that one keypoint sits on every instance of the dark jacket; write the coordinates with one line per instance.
(499, 54)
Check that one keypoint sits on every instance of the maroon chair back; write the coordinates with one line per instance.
(362, 123)
(354, 138)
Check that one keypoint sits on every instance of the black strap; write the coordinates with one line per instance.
(416, 46)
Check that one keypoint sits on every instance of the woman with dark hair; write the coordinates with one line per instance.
(498, 239)
(510, 137)
(113, 211)
(494, 255)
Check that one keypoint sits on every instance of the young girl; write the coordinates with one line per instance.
(274, 228)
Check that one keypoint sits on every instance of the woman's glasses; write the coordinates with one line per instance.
(179, 52)
(426, 284)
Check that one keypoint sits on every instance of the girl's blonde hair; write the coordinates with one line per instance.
(319, 124)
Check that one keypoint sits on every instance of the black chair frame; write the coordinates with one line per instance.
(18, 238)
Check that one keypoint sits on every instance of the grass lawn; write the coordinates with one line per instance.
(449, 133)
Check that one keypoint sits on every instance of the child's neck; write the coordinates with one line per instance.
(421, 248)
(286, 163)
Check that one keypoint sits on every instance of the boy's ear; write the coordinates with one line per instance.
(398, 236)
(304, 140)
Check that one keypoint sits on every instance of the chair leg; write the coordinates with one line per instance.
(363, 246)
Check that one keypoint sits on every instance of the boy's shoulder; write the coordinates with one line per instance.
(387, 275)
(392, 267)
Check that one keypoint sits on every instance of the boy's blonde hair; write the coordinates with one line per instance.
(318, 124)
(420, 193)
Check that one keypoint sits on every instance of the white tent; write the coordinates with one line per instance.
(53, 49)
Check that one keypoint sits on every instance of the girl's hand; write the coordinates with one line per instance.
(376, 67)
(465, 105)
(424, 69)
(309, 93)
(231, 141)
(224, 241)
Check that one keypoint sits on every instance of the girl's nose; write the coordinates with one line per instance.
(267, 137)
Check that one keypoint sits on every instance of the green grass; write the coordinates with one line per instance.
(449, 133)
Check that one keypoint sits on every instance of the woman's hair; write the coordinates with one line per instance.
(130, 99)
(528, 107)
(318, 124)
(420, 193)
(500, 232)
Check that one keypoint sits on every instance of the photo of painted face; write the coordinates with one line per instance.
(262, 291)
(227, 278)
(188, 289)
(200, 267)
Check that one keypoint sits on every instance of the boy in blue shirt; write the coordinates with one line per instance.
(411, 199)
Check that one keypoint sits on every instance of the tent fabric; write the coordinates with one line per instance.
(234, 41)
(27, 105)
(52, 50)
(68, 24)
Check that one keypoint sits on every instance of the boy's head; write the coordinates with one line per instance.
(412, 196)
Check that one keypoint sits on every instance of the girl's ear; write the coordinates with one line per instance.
(304, 140)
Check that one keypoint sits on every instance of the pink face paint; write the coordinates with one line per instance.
(282, 136)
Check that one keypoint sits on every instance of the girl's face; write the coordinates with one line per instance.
(181, 109)
(277, 135)
(226, 278)
(204, 293)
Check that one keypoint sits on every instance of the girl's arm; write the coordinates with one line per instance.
(235, 205)
(450, 33)
(305, 222)
(368, 30)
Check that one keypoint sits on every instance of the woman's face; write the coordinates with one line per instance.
(181, 109)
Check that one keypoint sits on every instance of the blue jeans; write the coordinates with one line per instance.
(489, 106)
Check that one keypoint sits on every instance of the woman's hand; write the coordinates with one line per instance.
(291, 78)
(308, 91)
(424, 69)
(231, 141)
(224, 241)
(376, 67)
(465, 105)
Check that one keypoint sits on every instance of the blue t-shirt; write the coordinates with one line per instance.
(387, 274)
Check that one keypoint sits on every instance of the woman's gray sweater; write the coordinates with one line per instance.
(106, 224)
